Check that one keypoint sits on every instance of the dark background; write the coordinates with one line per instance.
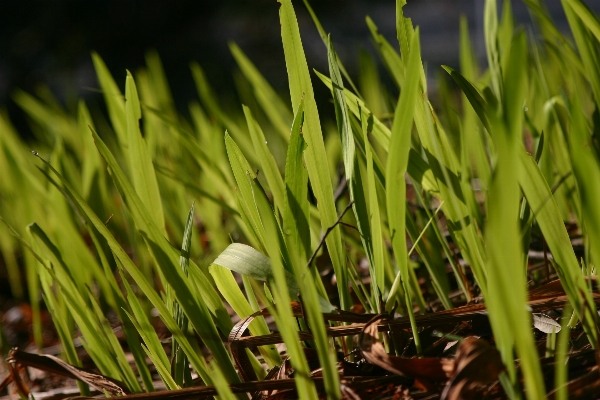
(49, 42)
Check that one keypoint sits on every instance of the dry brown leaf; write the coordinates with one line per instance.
(374, 352)
(477, 364)
(57, 366)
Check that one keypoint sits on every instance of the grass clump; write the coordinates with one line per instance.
(428, 235)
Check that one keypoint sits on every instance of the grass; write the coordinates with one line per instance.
(102, 216)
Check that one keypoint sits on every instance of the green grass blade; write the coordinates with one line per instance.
(587, 172)
(286, 323)
(325, 40)
(296, 228)
(277, 111)
(316, 158)
(231, 292)
(140, 162)
(583, 25)
(269, 166)
(109, 357)
(417, 167)
(181, 372)
(546, 212)
(376, 263)
(352, 172)
(491, 46)
(404, 31)
(114, 99)
(396, 168)
(587, 17)
(472, 94)
(154, 347)
(507, 296)
(54, 303)
(195, 310)
(296, 235)
(391, 58)
(561, 375)
(167, 256)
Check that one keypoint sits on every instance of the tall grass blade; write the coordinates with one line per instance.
(181, 372)
(140, 162)
(315, 156)
(296, 235)
(396, 168)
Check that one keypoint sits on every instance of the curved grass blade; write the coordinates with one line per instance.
(247, 261)
(472, 94)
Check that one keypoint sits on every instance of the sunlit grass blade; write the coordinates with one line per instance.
(561, 357)
(276, 110)
(374, 214)
(586, 16)
(231, 291)
(109, 358)
(296, 234)
(166, 256)
(181, 372)
(284, 316)
(587, 172)
(583, 25)
(140, 162)
(315, 156)
(269, 166)
(325, 40)
(544, 208)
(54, 302)
(507, 297)
(388, 53)
(153, 346)
(244, 176)
(396, 168)
(114, 99)
(351, 168)
(491, 46)
(296, 228)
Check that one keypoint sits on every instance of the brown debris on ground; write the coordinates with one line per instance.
(382, 365)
